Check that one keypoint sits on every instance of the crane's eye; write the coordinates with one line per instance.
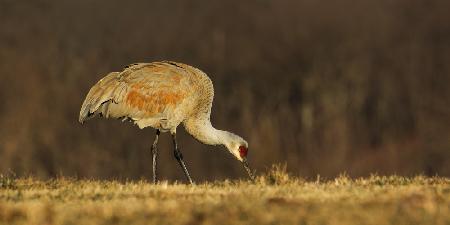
(243, 151)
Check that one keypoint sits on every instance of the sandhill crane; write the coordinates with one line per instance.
(163, 95)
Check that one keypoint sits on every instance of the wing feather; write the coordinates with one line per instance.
(141, 91)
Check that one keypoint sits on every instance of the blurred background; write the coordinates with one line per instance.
(324, 86)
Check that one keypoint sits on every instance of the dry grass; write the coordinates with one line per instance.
(275, 198)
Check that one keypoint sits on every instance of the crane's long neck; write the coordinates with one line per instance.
(199, 124)
(202, 130)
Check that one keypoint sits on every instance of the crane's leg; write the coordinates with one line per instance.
(154, 156)
(179, 157)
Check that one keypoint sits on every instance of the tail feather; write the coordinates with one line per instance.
(84, 113)
(100, 93)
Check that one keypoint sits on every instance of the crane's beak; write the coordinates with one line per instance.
(247, 168)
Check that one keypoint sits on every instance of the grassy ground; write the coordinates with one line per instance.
(275, 198)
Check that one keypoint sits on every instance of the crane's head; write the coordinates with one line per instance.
(236, 146)
(239, 148)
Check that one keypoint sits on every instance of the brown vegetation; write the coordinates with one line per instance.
(275, 198)
(326, 86)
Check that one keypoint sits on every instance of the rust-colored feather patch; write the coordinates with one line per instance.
(154, 103)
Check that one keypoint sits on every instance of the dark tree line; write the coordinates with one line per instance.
(325, 86)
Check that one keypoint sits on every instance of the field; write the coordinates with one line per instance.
(275, 198)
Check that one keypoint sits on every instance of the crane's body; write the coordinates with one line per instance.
(162, 95)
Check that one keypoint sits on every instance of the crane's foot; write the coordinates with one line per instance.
(155, 157)
(179, 158)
